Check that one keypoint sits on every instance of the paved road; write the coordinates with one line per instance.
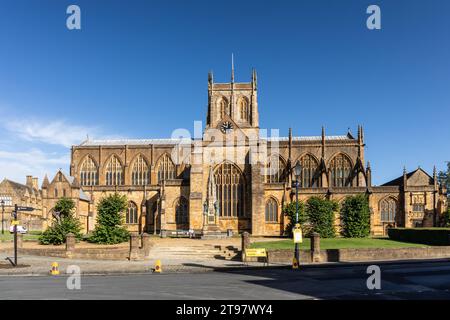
(418, 280)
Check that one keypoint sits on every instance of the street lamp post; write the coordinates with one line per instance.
(297, 172)
(3, 216)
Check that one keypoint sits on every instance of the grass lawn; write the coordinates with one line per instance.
(32, 235)
(338, 243)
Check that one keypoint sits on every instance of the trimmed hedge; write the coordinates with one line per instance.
(429, 236)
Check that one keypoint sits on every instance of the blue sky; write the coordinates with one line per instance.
(138, 69)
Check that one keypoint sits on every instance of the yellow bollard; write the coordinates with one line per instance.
(294, 264)
(157, 266)
(55, 269)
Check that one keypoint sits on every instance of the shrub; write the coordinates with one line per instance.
(446, 219)
(289, 211)
(429, 236)
(65, 224)
(355, 216)
(109, 229)
(320, 213)
(316, 216)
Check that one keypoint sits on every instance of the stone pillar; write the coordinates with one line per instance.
(146, 244)
(19, 240)
(134, 246)
(257, 201)
(315, 247)
(245, 243)
(70, 245)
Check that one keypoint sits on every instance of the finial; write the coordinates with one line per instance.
(368, 164)
(323, 132)
(210, 77)
(232, 67)
(404, 169)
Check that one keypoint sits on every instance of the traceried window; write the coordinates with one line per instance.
(271, 210)
(229, 190)
(309, 177)
(243, 108)
(166, 169)
(6, 199)
(418, 203)
(224, 107)
(275, 169)
(388, 209)
(341, 169)
(140, 175)
(132, 213)
(181, 212)
(89, 173)
(114, 172)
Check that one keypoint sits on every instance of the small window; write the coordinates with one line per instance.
(271, 210)
(56, 193)
(132, 215)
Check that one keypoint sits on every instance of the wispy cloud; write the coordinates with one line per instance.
(57, 132)
(35, 162)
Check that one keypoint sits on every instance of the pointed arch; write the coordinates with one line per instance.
(181, 206)
(223, 107)
(140, 172)
(114, 171)
(310, 175)
(271, 210)
(131, 216)
(275, 169)
(165, 168)
(340, 167)
(244, 109)
(388, 209)
(230, 189)
(88, 172)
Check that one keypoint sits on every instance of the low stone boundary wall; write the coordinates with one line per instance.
(139, 249)
(315, 254)
(354, 255)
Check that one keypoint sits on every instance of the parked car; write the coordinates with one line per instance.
(20, 229)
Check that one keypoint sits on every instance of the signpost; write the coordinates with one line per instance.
(15, 222)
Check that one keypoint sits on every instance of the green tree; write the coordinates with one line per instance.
(317, 215)
(321, 213)
(355, 215)
(109, 228)
(444, 177)
(64, 223)
(289, 211)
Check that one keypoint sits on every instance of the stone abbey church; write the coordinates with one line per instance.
(246, 191)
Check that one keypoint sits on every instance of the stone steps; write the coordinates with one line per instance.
(196, 252)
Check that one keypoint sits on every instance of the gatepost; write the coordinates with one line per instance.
(245, 243)
(70, 245)
(315, 247)
(134, 246)
(146, 244)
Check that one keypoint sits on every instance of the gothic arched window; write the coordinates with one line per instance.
(275, 169)
(341, 169)
(181, 212)
(388, 208)
(224, 107)
(132, 213)
(243, 109)
(166, 169)
(88, 173)
(114, 172)
(309, 177)
(229, 190)
(271, 210)
(140, 174)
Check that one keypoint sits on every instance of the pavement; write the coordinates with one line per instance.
(411, 280)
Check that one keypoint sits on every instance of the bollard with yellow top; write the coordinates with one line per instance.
(55, 269)
(157, 266)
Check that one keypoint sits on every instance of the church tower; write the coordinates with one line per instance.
(233, 105)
